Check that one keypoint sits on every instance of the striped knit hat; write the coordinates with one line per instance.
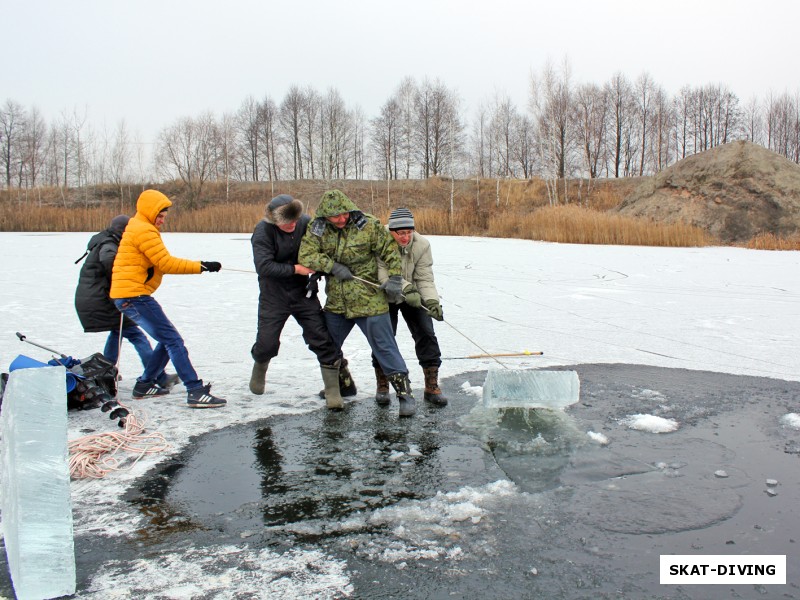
(401, 218)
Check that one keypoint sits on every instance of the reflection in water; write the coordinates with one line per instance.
(324, 466)
(339, 467)
(531, 446)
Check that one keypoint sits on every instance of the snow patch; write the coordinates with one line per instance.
(791, 420)
(475, 390)
(598, 437)
(650, 423)
(214, 572)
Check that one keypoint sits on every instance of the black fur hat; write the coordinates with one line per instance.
(283, 210)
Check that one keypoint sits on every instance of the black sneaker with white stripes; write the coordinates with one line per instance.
(168, 381)
(202, 398)
(148, 389)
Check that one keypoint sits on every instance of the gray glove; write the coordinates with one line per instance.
(412, 297)
(393, 288)
(341, 272)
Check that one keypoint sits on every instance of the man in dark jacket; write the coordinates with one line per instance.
(286, 290)
(96, 310)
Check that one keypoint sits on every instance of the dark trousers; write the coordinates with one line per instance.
(420, 325)
(378, 331)
(308, 314)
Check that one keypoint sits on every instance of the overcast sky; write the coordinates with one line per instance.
(150, 62)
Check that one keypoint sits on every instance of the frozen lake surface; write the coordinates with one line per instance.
(688, 367)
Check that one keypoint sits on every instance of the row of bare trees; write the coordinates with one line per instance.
(621, 128)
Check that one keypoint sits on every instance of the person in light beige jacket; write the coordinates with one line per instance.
(419, 305)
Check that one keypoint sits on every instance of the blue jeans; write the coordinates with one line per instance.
(136, 337)
(147, 314)
(379, 334)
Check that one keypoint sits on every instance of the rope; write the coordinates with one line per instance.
(425, 308)
(95, 456)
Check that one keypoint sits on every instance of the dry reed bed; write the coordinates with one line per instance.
(569, 224)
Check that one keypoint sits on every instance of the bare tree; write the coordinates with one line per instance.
(186, 150)
(644, 91)
(480, 154)
(406, 99)
(591, 121)
(551, 105)
(524, 147)
(336, 135)
(662, 124)
(621, 101)
(358, 140)
(385, 138)
(753, 122)
(247, 122)
(437, 127)
(33, 147)
(290, 119)
(504, 120)
(12, 125)
(268, 125)
(225, 151)
(120, 159)
(310, 107)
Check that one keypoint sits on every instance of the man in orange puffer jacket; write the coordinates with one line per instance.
(141, 262)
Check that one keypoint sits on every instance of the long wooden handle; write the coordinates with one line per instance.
(506, 354)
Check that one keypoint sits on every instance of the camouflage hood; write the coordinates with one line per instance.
(335, 202)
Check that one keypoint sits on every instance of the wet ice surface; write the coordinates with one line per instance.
(508, 503)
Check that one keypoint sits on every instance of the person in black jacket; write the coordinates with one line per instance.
(95, 308)
(287, 288)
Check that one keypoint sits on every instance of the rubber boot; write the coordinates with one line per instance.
(405, 397)
(382, 391)
(347, 387)
(433, 393)
(258, 379)
(330, 377)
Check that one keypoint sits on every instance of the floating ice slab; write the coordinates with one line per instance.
(532, 388)
(36, 505)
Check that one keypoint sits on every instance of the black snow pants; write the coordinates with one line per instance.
(272, 316)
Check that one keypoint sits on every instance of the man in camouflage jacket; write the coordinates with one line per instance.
(344, 242)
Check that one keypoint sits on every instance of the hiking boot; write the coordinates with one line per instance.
(347, 387)
(148, 389)
(382, 390)
(168, 381)
(201, 397)
(405, 397)
(258, 378)
(433, 393)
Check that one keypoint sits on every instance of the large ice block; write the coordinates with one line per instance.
(533, 388)
(36, 504)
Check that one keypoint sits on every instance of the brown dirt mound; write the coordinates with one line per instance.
(735, 191)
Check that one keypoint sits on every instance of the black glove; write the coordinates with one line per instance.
(434, 309)
(312, 287)
(210, 265)
(341, 272)
(393, 288)
(412, 297)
